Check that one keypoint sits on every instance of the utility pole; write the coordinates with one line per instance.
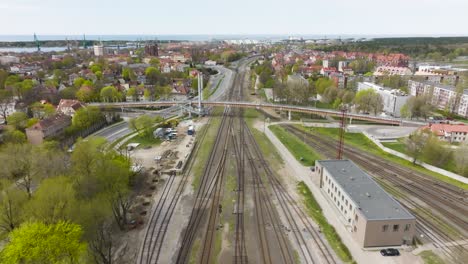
(200, 88)
(340, 150)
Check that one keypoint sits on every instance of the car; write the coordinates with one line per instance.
(390, 252)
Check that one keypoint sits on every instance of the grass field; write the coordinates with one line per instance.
(400, 147)
(360, 141)
(315, 211)
(430, 257)
(301, 151)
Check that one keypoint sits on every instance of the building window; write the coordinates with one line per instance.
(342, 197)
(384, 228)
(395, 228)
(350, 207)
(345, 212)
(328, 190)
(341, 208)
(356, 218)
(407, 227)
(355, 229)
(346, 202)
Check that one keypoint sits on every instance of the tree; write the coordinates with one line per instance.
(163, 91)
(78, 82)
(132, 92)
(85, 117)
(330, 94)
(53, 201)
(110, 94)
(155, 62)
(42, 110)
(128, 74)
(95, 68)
(322, 84)
(142, 125)
(417, 106)
(461, 160)
(98, 75)
(59, 76)
(85, 94)
(3, 77)
(435, 152)
(6, 99)
(18, 120)
(368, 100)
(12, 202)
(415, 144)
(152, 75)
(37, 242)
(14, 136)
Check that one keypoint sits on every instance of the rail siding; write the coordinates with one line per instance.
(425, 165)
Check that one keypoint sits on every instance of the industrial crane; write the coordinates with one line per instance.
(38, 44)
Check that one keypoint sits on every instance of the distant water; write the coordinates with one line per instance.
(204, 37)
(31, 50)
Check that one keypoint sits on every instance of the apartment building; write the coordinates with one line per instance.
(393, 99)
(443, 97)
(372, 216)
(449, 132)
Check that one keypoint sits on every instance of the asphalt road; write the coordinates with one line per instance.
(113, 133)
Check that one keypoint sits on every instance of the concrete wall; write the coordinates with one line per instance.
(35, 137)
(376, 237)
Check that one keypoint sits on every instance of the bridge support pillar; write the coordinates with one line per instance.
(289, 115)
(350, 120)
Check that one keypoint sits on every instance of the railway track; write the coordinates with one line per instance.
(403, 183)
(159, 220)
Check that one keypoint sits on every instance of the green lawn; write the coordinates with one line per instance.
(430, 257)
(397, 146)
(301, 151)
(360, 141)
(400, 147)
(315, 211)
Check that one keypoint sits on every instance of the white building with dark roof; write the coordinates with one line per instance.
(374, 218)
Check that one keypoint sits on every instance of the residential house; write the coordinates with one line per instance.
(48, 128)
(69, 107)
(390, 70)
(449, 132)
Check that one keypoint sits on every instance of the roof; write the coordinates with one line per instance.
(374, 203)
(75, 104)
(441, 129)
(55, 120)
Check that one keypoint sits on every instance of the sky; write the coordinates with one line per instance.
(211, 17)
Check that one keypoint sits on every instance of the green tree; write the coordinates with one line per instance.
(18, 120)
(59, 76)
(85, 94)
(132, 92)
(14, 136)
(128, 74)
(98, 75)
(95, 68)
(155, 62)
(435, 152)
(78, 82)
(3, 77)
(53, 201)
(6, 98)
(322, 84)
(110, 94)
(415, 144)
(37, 242)
(368, 100)
(461, 160)
(152, 75)
(85, 117)
(12, 202)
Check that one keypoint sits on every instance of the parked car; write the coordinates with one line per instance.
(390, 252)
